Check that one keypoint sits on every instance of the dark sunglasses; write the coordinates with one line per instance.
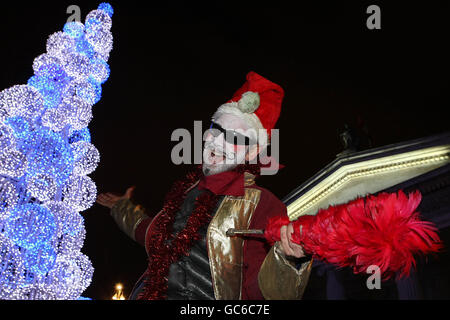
(231, 136)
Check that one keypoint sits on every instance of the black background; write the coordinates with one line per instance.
(175, 62)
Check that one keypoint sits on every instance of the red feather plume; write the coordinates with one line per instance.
(383, 230)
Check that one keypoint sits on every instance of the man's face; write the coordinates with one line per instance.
(219, 155)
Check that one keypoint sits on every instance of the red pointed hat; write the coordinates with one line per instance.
(270, 98)
(257, 102)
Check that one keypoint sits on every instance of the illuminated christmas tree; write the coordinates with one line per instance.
(45, 157)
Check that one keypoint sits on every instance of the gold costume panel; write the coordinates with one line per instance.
(226, 253)
(279, 279)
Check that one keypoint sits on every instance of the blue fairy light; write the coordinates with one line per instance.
(44, 64)
(74, 29)
(50, 83)
(99, 70)
(19, 125)
(107, 8)
(30, 226)
(12, 267)
(96, 20)
(97, 90)
(40, 260)
(49, 154)
(88, 90)
(45, 156)
(84, 47)
(80, 135)
(77, 66)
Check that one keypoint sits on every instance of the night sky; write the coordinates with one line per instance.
(176, 62)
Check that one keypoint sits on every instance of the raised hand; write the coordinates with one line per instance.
(108, 199)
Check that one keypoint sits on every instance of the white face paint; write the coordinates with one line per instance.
(218, 154)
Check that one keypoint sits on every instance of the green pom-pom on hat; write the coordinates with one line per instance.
(249, 102)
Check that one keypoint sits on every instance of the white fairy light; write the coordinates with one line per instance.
(85, 265)
(60, 45)
(70, 244)
(43, 60)
(11, 267)
(77, 112)
(69, 222)
(37, 291)
(45, 154)
(86, 158)
(60, 211)
(102, 56)
(98, 20)
(3, 113)
(85, 90)
(77, 65)
(8, 197)
(101, 40)
(7, 139)
(22, 100)
(66, 274)
(73, 111)
(80, 192)
(12, 163)
(42, 186)
(99, 70)
(73, 224)
(55, 119)
(72, 274)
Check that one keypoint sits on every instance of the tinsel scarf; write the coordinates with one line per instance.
(163, 247)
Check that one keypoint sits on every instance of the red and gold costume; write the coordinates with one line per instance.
(236, 264)
(190, 255)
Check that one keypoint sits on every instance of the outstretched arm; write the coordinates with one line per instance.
(109, 199)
